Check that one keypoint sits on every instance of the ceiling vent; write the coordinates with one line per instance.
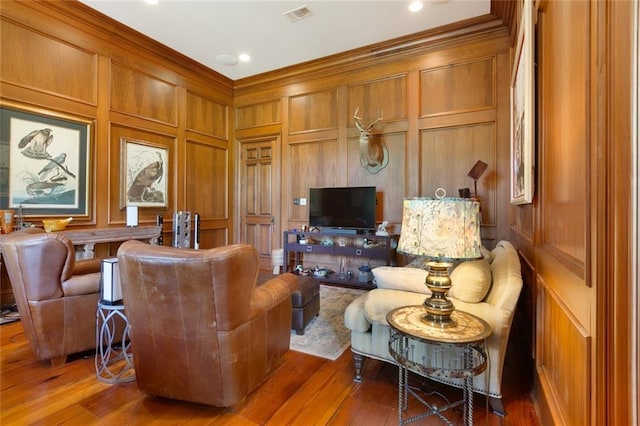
(298, 13)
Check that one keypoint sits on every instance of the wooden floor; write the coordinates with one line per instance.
(304, 390)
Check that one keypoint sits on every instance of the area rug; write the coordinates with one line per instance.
(326, 335)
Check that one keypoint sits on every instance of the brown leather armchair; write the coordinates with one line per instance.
(201, 330)
(56, 296)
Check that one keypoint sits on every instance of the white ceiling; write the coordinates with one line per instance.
(205, 29)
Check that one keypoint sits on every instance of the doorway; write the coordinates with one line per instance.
(258, 195)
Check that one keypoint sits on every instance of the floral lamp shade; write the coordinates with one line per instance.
(441, 228)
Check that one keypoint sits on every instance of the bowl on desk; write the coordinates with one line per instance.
(55, 225)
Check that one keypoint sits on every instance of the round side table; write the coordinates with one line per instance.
(457, 351)
(114, 362)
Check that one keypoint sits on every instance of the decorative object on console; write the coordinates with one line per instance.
(365, 274)
(181, 229)
(196, 232)
(382, 229)
(132, 215)
(374, 155)
(442, 230)
(7, 221)
(55, 225)
(160, 224)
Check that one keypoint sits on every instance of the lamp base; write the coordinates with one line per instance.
(438, 307)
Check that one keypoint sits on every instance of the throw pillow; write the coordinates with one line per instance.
(486, 254)
(470, 281)
(398, 278)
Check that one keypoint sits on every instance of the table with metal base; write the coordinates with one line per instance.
(114, 362)
(455, 352)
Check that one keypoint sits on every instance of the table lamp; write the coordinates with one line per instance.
(441, 230)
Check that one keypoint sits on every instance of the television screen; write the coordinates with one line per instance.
(343, 207)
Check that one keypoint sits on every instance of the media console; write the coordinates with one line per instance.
(367, 247)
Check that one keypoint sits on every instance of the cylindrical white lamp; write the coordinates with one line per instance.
(132, 215)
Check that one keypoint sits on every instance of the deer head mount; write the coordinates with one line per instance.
(374, 155)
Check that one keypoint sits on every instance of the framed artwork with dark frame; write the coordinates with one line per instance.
(522, 111)
(143, 177)
(44, 164)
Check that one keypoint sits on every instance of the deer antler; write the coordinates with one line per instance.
(358, 121)
(374, 122)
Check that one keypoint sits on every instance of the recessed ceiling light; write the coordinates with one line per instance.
(227, 59)
(415, 6)
(151, 1)
(243, 57)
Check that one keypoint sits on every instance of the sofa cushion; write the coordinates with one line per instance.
(395, 278)
(470, 281)
(379, 302)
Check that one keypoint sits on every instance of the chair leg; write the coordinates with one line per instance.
(59, 360)
(496, 406)
(358, 361)
(238, 406)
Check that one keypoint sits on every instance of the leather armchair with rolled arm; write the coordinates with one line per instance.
(201, 330)
(56, 296)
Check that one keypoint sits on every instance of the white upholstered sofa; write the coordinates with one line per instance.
(487, 288)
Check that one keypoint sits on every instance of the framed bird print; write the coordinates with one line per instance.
(144, 174)
(44, 164)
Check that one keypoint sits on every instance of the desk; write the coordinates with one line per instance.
(453, 352)
(114, 362)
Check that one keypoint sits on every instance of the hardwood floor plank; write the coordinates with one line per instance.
(301, 408)
(303, 390)
(72, 415)
(295, 369)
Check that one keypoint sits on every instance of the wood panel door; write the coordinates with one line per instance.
(258, 195)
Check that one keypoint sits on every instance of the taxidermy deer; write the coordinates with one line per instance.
(374, 155)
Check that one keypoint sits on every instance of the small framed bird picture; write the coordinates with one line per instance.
(144, 174)
(44, 164)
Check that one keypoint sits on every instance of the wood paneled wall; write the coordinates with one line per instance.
(574, 237)
(66, 60)
(443, 106)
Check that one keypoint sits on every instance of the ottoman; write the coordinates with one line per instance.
(305, 303)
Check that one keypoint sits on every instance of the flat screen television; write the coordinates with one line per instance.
(343, 207)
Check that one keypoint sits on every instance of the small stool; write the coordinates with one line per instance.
(276, 260)
(305, 303)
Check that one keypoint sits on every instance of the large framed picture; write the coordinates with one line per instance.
(143, 174)
(522, 112)
(44, 164)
